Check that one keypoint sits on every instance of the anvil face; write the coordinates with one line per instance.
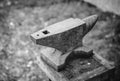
(63, 36)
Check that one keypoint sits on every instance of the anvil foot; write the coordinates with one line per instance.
(57, 60)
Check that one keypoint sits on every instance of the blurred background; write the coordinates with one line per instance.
(20, 18)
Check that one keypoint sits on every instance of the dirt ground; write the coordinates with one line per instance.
(21, 18)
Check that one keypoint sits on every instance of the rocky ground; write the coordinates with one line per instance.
(18, 19)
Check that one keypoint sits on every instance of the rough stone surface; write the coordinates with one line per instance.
(107, 5)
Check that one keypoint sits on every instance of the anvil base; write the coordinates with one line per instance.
(94, 68)
(54, 58)
(57, 60)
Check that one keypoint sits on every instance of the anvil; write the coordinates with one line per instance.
(62, 38)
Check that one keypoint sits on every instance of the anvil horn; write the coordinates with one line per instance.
(90, 22)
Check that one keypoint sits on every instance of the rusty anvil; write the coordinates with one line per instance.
(62, 38)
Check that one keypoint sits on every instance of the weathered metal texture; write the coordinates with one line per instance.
(66, 35)
(62, 38)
